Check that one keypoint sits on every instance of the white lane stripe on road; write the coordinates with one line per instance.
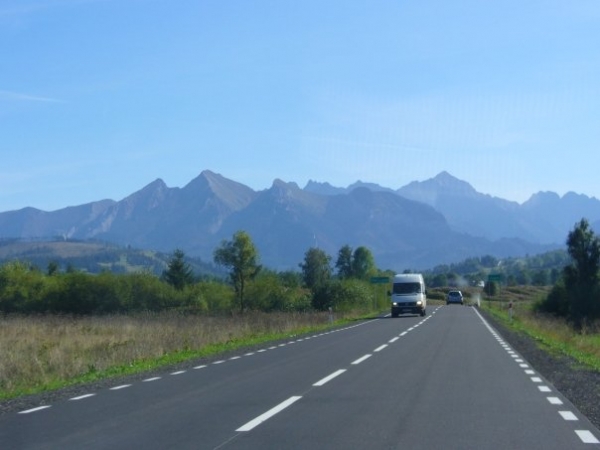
(147, 380)
(587, 437)
(555, 400)
(329, 377)
(568, 415)
(81, 397)
(179, 372)
(39, 408)
(381, 347)
(361, 359)
(270, 413)
(117, 388)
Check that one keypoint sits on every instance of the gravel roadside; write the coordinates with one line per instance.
(579, 384)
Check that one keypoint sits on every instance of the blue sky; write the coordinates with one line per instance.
(98, 98)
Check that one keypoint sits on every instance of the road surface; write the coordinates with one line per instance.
(447, 380)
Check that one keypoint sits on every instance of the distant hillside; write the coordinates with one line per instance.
(94, 257)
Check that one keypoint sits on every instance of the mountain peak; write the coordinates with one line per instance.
(433, 190)
(325, 188)
(447, 181)
(371, 186)
(280, 184)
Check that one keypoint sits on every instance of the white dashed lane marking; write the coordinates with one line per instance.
(81, 397)
(270, 413)
(39, 408)
(568, 415)
(587, 437)
(361, 359)
(328, 378)
(147, 380)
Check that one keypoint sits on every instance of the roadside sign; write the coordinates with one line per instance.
(497, 277)
(380, 280)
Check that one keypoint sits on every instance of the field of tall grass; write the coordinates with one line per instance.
(44, 352)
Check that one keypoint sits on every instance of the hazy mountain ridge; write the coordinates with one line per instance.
(422, 224)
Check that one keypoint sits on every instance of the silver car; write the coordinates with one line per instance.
(454, 297)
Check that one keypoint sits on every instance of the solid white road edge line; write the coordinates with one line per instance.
(329, 377)
(270, 413)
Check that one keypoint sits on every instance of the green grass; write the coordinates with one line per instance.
(551, 334)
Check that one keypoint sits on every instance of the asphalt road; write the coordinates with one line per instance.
(447, 380)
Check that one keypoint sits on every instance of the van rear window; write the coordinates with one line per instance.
(407, 288)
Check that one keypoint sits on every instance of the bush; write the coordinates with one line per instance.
(21, 288)
(344, 295)
(557, 302)
(269, 292)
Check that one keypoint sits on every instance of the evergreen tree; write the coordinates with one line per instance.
(581, 276)
(344, 262)
(178, 273)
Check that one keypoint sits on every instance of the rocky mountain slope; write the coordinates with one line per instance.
(420, 225)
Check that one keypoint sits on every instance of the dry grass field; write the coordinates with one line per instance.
(44, 352)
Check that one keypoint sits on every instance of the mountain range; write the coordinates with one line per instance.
(437, 221)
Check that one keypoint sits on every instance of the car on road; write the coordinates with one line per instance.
(454, 297)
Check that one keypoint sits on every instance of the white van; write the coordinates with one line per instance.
(408, 294)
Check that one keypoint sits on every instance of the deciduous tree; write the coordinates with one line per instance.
(241, 257)
(363, 263)
(316, 268)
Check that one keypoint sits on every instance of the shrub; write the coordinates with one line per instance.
(557, 302)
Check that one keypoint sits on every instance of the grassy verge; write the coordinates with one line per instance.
(44, 353)
(551, 334)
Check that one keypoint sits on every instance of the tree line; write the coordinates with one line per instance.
(576, 295)
(538, 270)
(320, 285)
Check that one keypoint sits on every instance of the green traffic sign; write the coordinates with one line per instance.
(380, 280)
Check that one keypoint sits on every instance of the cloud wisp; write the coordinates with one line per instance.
(21, 97)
